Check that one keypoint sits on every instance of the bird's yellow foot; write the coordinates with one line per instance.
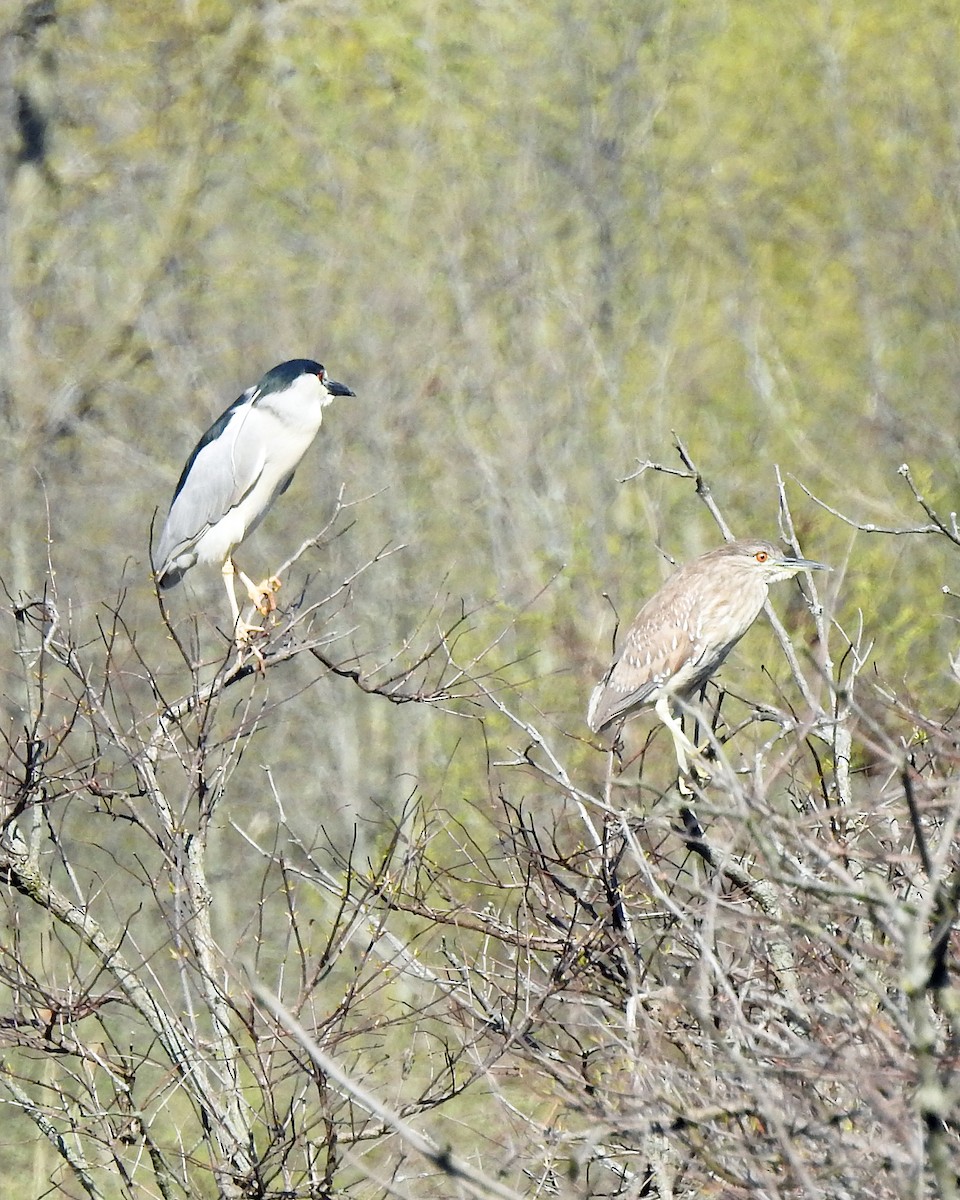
(263, 596)
(696, 771)
(245, 633)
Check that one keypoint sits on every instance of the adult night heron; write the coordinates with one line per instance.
(682, 635)
(244, 461)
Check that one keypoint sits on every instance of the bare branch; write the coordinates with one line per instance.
(456, 1169)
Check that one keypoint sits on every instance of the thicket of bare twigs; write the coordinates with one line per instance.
(370, 915)
(582, 982)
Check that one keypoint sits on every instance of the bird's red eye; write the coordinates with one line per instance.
(761, 556)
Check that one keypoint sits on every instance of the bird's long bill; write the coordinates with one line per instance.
(807, 564)
(337, 389)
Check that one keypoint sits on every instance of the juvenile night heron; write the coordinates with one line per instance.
(682, 635)
(244, 461)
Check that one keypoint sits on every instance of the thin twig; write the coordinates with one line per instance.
(457, 1169)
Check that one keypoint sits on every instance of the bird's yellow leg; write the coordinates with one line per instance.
(688, 755)
(242, 630)
(262, 595)
(681, 743)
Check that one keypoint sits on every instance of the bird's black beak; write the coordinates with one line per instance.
(337, 389)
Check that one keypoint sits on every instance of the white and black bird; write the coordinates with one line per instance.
(683, 633)
(244, 461)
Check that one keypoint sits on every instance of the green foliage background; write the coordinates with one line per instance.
(535, 239)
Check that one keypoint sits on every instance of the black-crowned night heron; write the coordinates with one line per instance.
(244, 461)
(682, 635)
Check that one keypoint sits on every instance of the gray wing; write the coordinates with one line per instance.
(225, 464)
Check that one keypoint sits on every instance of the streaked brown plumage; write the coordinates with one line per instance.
(682, 635)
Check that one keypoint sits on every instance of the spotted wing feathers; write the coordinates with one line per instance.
(663, 644)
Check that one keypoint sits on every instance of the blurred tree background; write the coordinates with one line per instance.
(535, 239)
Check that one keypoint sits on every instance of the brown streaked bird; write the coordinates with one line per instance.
(683, 633)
